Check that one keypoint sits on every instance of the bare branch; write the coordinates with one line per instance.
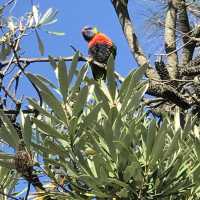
(28, 61)
(185, 28)
(129, 32)
(170, 38)
(38, 60)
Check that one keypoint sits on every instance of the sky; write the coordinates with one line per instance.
(72, 16)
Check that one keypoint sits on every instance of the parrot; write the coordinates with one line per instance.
(100, 47)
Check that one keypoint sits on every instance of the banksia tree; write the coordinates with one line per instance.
(83, 138)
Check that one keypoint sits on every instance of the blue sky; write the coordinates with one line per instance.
(72, 16)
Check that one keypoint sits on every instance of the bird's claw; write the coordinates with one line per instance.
(90, 60)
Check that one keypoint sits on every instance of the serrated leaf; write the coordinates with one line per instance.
(106, 92)
(1, 10)
(5, 51)
(40, 43)
(37, 80)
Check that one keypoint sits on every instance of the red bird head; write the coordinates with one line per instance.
(89, 32)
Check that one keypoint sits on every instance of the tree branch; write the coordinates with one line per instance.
(170, 38)
(185, 28)
(168, 93)
(121, 10)
(28, 61)
(38, 60)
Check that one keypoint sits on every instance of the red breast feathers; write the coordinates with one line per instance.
(100, 38)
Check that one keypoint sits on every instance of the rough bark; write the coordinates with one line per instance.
(184, 26)
(129, 32)
(170, 38)
(168, 93)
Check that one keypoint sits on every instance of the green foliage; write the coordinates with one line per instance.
(99, 137)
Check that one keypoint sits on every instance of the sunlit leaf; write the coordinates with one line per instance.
(62, 77)
(56, 33)
(48, 17)
(35, 14)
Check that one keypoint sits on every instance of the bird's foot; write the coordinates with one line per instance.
(90, 60)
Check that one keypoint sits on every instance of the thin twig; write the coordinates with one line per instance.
(22, 69)
(28, 190)
(10, 95)
(25, 111)
(8, 3)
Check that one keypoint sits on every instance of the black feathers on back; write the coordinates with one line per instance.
(101, 54)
